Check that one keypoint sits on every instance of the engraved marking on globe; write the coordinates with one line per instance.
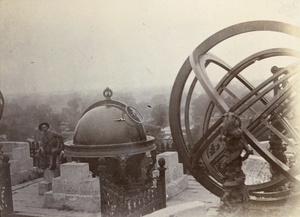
(72, 191)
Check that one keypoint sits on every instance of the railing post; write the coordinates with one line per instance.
(161, 183)
(6, 164)
(34, 147)
(7, 203)
(235, 191)
(101, 170)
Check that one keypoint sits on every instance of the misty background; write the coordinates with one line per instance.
(57, 57)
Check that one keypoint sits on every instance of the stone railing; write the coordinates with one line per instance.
(21, 164)
(6, 202)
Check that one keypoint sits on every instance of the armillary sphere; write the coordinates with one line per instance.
(268, 109)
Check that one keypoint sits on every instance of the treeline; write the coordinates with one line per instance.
(23, 114)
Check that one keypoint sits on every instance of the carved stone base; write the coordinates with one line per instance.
(75, 189)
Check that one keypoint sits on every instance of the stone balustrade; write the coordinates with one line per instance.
(21, 164)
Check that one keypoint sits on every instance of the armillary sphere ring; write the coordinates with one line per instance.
(1, 105)
(134, 114)
(204, 166)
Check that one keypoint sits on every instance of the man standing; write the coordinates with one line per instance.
(51, 144)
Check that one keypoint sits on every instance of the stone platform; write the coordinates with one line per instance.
(191, 202)
(27, 201)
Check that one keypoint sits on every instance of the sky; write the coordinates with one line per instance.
(75, 45)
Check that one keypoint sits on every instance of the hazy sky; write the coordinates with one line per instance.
(63, 45)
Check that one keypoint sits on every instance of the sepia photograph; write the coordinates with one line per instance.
(136, 108)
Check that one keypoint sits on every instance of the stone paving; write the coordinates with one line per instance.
(28, 202)
(192, 202)
(195, 193)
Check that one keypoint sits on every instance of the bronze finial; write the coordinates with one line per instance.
(107, 93)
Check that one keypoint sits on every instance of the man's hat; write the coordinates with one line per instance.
(45, 123)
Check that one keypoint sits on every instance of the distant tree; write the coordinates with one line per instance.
(198, 108)
(160, 116)
(3, 128)
(145, 109)
(195, 134)
(126, 98)
(19, 124)
(43, 113)
(71, 114)
(152, 130)
(158, 99)
(12, 120)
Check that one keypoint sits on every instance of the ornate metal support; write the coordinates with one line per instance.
(277, 148)
(132, 200)
(234, 143)
(122, 162)
(277, 145)
(161, 181)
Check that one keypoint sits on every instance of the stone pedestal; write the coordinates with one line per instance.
(43, 187)
(75, 189)
(176, 181)
(46, 184)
